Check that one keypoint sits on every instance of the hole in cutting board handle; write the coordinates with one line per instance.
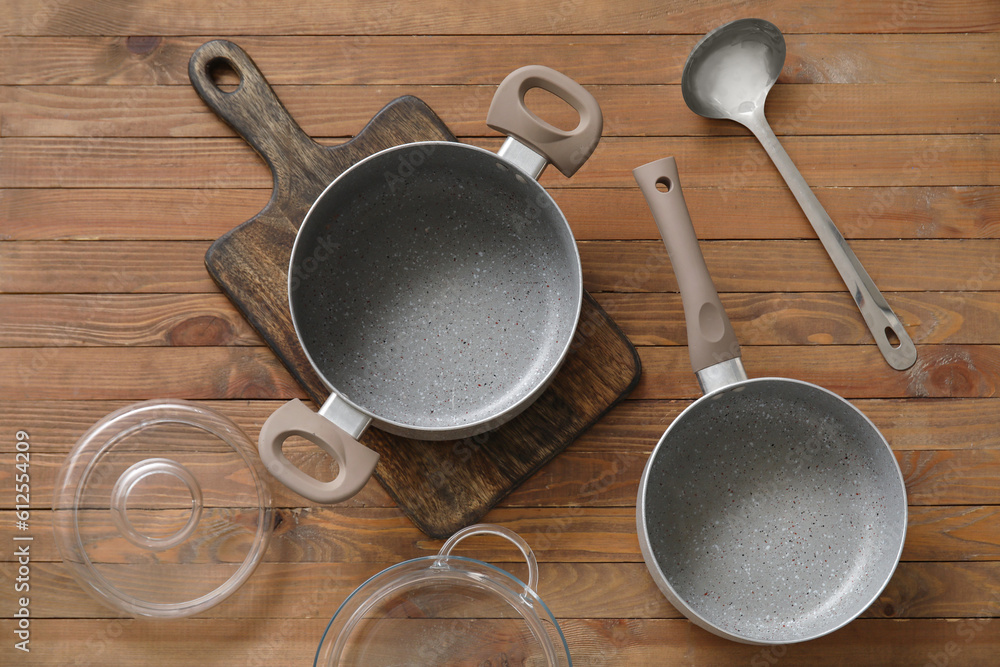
(223, 74)
(663, 184)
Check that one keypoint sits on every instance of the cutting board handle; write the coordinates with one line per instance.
(253, 110)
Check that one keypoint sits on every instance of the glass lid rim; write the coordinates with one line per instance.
(426, 564)
(99, 439)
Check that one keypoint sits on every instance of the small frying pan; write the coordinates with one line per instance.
(772, 510)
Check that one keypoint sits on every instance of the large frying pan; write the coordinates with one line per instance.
(772, 510)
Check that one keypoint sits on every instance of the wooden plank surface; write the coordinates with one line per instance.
(920, 212)
(648, 318)
(577, 590)
(115, 178)
(733, 162)
(434, 59)
(799, 265)
(176, 111)
(521, 16)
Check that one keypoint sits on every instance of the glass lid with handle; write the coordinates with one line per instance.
(446, 610)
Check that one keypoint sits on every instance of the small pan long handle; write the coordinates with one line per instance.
(878, 315)
(711, 339)
(566, 149)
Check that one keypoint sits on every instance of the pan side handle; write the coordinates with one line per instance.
(711, 339)
(357, 462)
(566, 149)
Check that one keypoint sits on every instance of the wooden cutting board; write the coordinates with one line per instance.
(441, 486)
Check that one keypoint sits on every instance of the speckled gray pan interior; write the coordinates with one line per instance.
(774, 511)
(434, 286)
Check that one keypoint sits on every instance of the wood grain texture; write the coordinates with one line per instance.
(631, 427)
(896, 161)
(594, 642)
(952, 265)
(571, 590)
(115, 178)
(941, 371)
(799, 266)
(320, 17)
(590, 479)
(629, 110)
(908, 424)
(67, 320)
(89, 267)
(938, 212)
(578, 534)
(781, 318)
(410, 60)
(138, 373)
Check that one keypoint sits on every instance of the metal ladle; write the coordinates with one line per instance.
(728, 75)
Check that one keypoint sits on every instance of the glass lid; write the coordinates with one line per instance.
(161, 509)
(446, 610)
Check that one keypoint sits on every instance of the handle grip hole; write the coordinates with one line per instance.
(893, 339)
(664, 184)
(310, 459)
(553, 109)
(223, 75)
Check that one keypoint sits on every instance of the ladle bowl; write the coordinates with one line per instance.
(728, 75)
(733, 68)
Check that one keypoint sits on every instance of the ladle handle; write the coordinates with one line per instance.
(711, 339)
(875, 310)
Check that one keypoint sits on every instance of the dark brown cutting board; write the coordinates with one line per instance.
(441, 486)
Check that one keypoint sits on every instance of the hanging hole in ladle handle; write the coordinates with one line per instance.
(893, 339)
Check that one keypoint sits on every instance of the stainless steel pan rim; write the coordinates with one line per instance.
(690, 608)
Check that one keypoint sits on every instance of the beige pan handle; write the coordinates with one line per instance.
(357, 462)
(566, 149)
(711, 339)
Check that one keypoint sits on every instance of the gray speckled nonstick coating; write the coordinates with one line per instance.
(773, 510)
(435, 287)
